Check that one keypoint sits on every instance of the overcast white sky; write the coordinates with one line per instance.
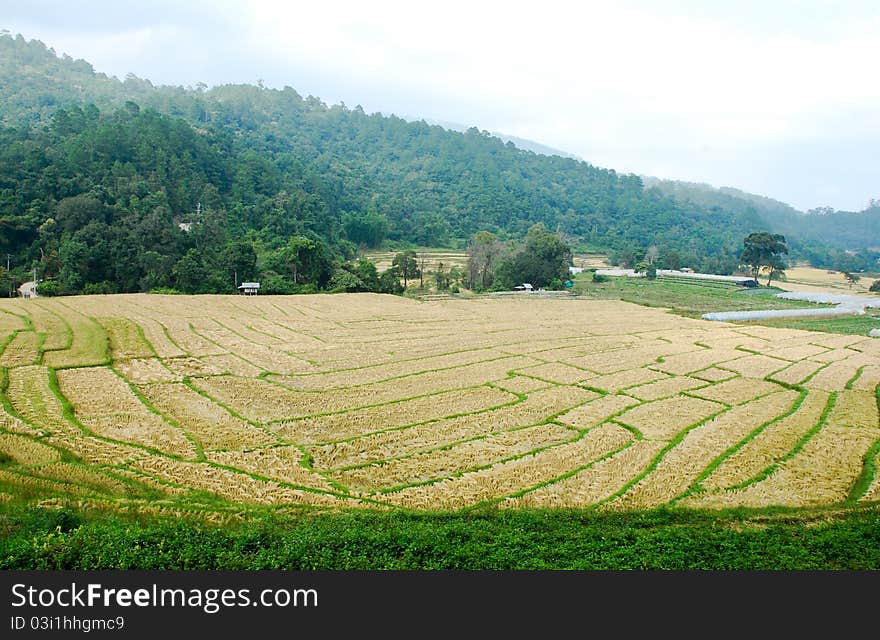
(776, 97)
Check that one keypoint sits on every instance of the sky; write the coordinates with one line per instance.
(775, 97)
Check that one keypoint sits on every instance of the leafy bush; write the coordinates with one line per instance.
(346, 282)
(49, 288)
(277, 285)
(104, 287)
(598, 277)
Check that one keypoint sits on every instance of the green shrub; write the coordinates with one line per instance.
(49, 288)
(100, 288)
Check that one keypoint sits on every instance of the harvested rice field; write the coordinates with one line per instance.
(384, 402)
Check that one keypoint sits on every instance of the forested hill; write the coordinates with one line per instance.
(821, 235)
(97, 176)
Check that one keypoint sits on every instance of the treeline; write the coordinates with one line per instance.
(124, 186)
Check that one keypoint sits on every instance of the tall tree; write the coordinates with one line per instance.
(851, 278)
(763, 249)
(484, 252)
(407, 265)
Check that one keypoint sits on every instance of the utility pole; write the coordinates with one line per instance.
(11, 281)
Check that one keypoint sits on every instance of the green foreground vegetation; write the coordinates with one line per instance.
(686, 297)
(854, 325)
(53, 539)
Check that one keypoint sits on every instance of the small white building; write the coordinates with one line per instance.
(575, 270)
(525, 286)
(249, 288)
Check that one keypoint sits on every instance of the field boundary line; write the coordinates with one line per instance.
(200, 453)
(483, 467)
(392, 378)
(367, 406)
(800, 444)
(655, 461)
(696, 485)
(519, 400)
(187, 381)
(869, 466)
(551, 419)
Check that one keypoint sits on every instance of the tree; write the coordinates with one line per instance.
(484, 252)
(406, 265)
(851, 278)
(455, 278)
(423, 269)
(672, 260)
(297, 252)
(389, 281)
(190, 274)
(239, 261)
(776, 268)
(345, 281)
(308, 261)
(626, 258)
(441, 276)
(366, 271)
(543, 259)
(875, 286)
(763, 249)
(368, 229)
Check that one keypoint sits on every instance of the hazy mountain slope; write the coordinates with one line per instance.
(852, 230)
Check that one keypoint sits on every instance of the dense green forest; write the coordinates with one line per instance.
(109, 185)
(842, 240)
